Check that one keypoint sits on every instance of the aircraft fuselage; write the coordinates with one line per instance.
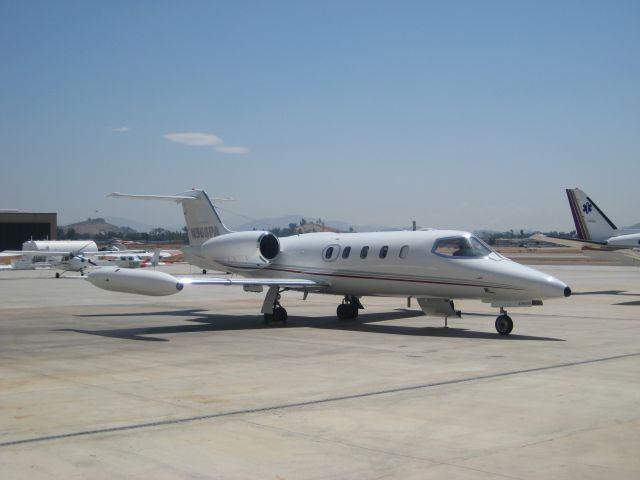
(406, 263)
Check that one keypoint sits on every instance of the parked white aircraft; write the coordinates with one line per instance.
(594, 229)
(65, 255)
(83, 256)
(435, 266)
(85, 246)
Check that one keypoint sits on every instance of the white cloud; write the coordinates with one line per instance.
(230, 149)
(121, 129)
(194, 139)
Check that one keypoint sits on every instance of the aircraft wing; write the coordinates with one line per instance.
(585, 244)
(255, 282)
(31, 253)
(571, 242)
(156, 283)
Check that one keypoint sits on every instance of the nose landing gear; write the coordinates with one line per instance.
(504, 324)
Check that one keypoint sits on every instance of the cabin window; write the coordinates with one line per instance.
(461, 247)
(383, 251)
(404, 251)
(330, 253)
(364, 252)
(346, 252)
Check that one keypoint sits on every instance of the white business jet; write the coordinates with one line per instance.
(434, 266)
(594, 229)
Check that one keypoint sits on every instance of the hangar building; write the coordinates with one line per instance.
(18, 227)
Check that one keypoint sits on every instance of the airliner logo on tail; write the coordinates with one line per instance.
(591, 222)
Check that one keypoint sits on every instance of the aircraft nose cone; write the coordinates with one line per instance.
(567, 292)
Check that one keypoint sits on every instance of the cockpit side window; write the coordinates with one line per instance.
(461, 247)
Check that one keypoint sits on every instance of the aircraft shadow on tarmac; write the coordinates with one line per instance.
(606, 292)
(366, 322)
(632, 303)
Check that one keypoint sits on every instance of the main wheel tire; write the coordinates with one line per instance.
(280, 315)
(204, 271)
(57, 274)
(343, 311)
(504, 324)
(347, 311)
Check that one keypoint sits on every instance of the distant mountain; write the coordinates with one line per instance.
(266, 223)
(634, 227)
(93, 226)
(140, 226)
(259, 224)
(285, 220)
(127, 222)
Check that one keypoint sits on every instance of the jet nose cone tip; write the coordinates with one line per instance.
(567, 292)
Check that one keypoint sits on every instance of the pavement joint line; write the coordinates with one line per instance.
(320, 401)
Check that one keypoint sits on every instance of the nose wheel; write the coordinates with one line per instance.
(504, 324)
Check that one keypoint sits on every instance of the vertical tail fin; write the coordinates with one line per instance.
(591, 222)
(201, 217)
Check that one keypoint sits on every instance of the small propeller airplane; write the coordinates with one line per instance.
(76, 260)
(83, 258)
(433, 266)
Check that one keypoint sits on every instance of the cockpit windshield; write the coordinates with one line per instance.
(462, 246)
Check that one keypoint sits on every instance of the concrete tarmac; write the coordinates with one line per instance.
(97, 384)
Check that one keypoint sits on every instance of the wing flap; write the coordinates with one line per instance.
(280, 282)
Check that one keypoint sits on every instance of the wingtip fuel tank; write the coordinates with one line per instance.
(127, 280)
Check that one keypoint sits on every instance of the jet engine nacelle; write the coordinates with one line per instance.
(142, 282)
(243, 249)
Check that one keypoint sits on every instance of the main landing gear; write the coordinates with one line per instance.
(504, 324)
(271, 308)
(348, 309)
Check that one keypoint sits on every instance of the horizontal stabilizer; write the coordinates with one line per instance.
(175, 198)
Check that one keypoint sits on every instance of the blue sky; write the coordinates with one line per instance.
(457, 114)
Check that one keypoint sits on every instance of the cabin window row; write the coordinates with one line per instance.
(332, 252)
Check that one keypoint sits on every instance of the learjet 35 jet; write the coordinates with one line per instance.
(433, 266)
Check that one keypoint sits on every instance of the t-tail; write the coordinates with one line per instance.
(591, 222)
(201, 217)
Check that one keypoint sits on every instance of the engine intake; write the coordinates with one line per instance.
(255, 249)
(269, 246)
